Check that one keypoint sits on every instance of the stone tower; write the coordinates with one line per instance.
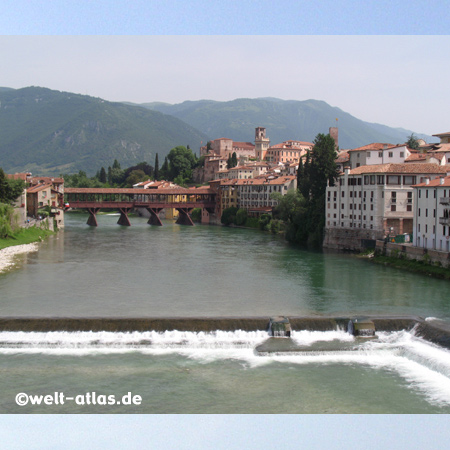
(261, 143)
(334, 134)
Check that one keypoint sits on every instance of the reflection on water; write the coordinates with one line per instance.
(145, 271)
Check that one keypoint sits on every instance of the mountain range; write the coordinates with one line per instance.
(50, 132)
(283, 120)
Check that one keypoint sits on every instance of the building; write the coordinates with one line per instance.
(432, 214)
(46, 194)
(378, 153)
(287, 152)
(244, 172)
(373, 201)
(254, 195)
(261, 143)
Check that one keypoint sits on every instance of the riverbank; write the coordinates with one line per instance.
(415, 266)
(25, 241)
(7, 254)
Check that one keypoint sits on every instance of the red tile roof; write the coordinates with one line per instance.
(38, 188)
(436, 182)
(400, 168)
(373, 146)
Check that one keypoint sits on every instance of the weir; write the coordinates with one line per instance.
(434, 331)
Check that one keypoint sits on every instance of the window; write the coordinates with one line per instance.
(393, 207)
(394, 197)
(409, 180)
(391, 154)
(402, 154)
(408, 207)
(380, 154)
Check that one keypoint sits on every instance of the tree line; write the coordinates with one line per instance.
(178, 166)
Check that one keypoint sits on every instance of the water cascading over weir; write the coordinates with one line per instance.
(437, 332)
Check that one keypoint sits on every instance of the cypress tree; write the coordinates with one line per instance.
(156, 172)
(234, 160)
(102, 176)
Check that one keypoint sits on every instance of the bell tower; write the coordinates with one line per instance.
(261, 143)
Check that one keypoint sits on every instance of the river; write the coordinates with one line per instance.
(210, 271)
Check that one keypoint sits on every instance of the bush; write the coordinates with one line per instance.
(252, 222)
(229, 215)
(196, 214)
(264, 221)
(241, 217)
(6, 214)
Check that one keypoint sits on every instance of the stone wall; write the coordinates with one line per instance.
(407, 251)
(349, 239)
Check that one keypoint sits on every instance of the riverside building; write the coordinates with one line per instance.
(372, 201)
(432, 214)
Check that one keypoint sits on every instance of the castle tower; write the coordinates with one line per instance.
(335, 135)
(261, 143)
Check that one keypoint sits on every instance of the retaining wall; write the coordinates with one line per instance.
(407, 251)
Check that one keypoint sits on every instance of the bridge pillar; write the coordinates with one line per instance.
(184, 218)
(92, 219)
(123, 219)
(154, 216)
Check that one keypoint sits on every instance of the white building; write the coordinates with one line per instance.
(378, 153)
(376, 200)
(432, 214)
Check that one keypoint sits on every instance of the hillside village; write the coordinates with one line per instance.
(385, 192)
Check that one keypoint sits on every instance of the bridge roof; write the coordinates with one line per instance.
(168, 191)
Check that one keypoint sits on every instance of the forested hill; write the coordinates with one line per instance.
(50, 132)
(283, 120)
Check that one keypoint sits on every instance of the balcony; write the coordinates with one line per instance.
(444, 220)
(444, 200)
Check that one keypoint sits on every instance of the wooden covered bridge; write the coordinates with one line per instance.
(184, 200)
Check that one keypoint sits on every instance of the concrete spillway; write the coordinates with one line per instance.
(435, 331)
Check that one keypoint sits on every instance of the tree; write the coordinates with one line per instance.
(182, 161)
(102, 175)
(156, 172)
(413, 142)
(10, 189)
(229, 215)
(241, 217)
(234, 161)
(136, 176)
(165, 169)
(323, 169)
(116, 164)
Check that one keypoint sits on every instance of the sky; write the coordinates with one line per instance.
(381, 61)
(224, 432)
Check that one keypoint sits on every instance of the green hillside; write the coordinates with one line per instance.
(283, 119)
(50, 132)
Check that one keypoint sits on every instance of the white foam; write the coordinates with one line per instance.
(424, 366)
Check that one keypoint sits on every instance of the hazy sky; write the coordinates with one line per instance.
(224, 432)
(400, 81)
